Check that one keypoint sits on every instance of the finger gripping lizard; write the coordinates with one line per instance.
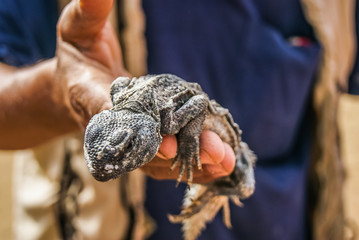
(128, 136)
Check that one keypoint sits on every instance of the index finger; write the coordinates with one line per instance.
(168, 147)
(212, 149)
(226, 165)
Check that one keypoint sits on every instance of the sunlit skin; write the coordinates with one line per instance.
(75, 85)
(216, 157)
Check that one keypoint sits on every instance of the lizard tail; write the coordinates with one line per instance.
(200, 206)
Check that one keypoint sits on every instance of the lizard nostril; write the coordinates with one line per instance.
(106, 149)
(110, 150)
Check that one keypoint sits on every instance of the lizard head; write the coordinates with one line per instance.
(117, 142)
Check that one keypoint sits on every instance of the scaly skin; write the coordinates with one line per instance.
(128, 136)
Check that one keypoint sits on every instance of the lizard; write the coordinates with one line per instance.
(128, 136)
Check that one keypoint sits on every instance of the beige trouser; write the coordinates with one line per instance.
(37, 177)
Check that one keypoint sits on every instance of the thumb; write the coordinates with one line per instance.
(97, 9)
(82, 20)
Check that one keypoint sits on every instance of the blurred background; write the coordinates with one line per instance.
(349, 125)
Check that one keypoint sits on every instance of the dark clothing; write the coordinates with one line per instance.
(239, 51)
(27, 31)
(354, 77)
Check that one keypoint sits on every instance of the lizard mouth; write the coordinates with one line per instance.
(123, 151)
(124, 163)
(118, 160)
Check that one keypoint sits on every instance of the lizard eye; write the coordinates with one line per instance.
(129, 146)
(122, 137)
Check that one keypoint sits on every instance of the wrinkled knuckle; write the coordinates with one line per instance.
(77, 104)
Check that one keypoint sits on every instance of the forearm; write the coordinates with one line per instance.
(29, 113)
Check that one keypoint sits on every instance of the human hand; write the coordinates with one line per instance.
(89, 58)
(217, 159)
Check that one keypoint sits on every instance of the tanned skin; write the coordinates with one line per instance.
(60, 95)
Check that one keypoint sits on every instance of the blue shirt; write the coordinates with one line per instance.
(27, 31)
(239, 51)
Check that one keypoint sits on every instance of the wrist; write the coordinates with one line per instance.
(48, 114)
(30, 115)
